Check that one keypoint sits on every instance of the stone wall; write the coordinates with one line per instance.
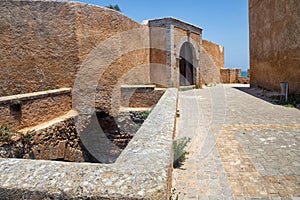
(244, 80)
(230, 75)
(215, 51)
(59, 141)
(38, 46)
(23, 110)
(275, 44)
(137, 96)
(44, 43)
(95, 25)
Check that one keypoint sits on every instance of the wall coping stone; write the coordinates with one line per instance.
(141, 172)
(176, 22)
(34, 95)
(137, 86)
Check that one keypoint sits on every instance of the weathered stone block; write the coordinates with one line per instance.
(61, 149)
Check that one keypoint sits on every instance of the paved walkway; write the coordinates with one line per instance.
(242, 147)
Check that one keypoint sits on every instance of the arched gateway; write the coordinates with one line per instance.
(186, 68)
(180, 63)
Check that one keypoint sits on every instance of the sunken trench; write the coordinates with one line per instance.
(97, 138)
(61, 141)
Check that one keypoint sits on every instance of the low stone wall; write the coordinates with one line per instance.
(244, 80)
(58, 141)
(136, 96)
(30, 109)
(230, 75)
(142, 171)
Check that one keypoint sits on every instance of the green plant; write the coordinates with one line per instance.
(197, 87)
(137, 125)
(173, 195)
(145, 114)
(293, 100)
(6, 133)
(28, 137)
(179, 151)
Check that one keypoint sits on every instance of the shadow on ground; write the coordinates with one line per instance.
(266, 95)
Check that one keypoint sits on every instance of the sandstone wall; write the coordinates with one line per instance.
(180, 33)
(43, 44)
(230, 75)
(131, 68)
(275, 43)
(38, 46)
(216, 51)
(20, 111)
(244, 80)
(140, 96)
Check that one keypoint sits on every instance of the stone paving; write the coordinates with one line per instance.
(242, 147)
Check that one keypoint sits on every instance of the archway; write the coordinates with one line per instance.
(186, 65)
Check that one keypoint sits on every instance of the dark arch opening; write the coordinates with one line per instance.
(186, 65)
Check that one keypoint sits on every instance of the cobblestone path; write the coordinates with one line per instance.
(242, 147)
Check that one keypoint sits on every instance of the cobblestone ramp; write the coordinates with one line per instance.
(240, 148)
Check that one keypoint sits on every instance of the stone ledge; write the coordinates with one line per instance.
(34, 95)
(141, 172)
(138, 87)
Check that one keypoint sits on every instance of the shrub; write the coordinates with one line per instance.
(179, 152)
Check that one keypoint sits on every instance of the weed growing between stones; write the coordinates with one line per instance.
(293, 100)
(173, 195)
(14, 144)
(179, 151)
(6, 132)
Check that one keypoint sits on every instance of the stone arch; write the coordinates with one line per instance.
(187, 56)
(196, 52)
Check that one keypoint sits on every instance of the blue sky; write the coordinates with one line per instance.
(223, 21)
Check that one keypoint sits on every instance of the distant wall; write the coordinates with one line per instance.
(43, 44)
(230, 75)
(275, 44)
(212, 60)
(216, 51)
